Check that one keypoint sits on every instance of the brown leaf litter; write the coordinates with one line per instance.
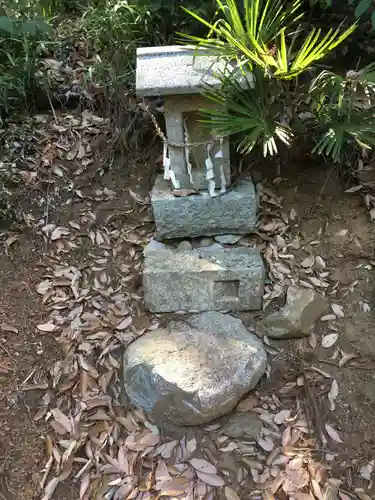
(110, 450)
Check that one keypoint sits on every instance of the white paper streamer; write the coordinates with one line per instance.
(210, 174)
(223, 180)
(223, 188)
(211, 188)
(175, 182)
(166, 162)
(209, 163)
(187, 155)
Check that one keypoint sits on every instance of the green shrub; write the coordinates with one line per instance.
(279, 97)
(21, 44)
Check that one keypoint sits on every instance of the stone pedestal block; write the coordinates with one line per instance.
(227, 279)
(234, 212)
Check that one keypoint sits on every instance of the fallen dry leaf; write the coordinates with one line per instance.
(47, 327)
(9, 242)
(333, 434)
(230, 494)
(248, 404)
(211, 479)
(361, 494)
(3, 368)
(202, 465)
(184, 192)
(50, 489)
(175, 487)
(346, 358)
(125, 323)
(280, 417)
(333, 393)
(338, 310)
(266, 444)
(7, 327)
(313, 340)
(328, 317)
(329, 340)
(367, 470)
(308, 262)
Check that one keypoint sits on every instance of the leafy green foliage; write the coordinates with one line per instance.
(169, 16)
(364, 9)
(244, 105)
(345, 108)
(260, 37)
(21, 43)
(263, 101)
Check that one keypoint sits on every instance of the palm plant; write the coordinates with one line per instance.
(263, 39)
(344, 107)
(246, 108)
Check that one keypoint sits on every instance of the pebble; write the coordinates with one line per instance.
(228, 239)
(185, 245)
(203, 242)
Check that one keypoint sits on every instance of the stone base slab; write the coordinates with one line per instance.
(234, 212)
(226, 279)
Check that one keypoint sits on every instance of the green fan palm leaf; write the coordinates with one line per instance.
(242, 107)
(259, 36)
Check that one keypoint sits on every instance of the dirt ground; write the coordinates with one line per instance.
(323, 210)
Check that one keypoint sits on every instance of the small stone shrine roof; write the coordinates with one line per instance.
(174, 70)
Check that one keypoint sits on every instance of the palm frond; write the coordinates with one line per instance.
(342, 116)
(246, 35)
(242, 107)
(258, 36)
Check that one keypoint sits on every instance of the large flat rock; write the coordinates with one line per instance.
(234, 212)
(194, 370)
(203, 279)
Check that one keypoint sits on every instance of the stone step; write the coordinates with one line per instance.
(225, 279)
(234, 212)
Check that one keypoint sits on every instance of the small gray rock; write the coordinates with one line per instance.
(155, 245)
(228, 239)
(303, 308)
(185, 245)
(203, 242)
(195, 370)
(214, 246)
(242, 425)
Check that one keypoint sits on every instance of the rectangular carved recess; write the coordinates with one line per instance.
(229, 290)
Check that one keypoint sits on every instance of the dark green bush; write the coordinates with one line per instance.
(21, 45)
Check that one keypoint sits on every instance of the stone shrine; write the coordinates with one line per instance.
(196, 279)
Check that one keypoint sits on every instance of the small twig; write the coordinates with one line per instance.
(47, 194)
(9, 354)
(47, 469)
(29, 377)
(51, 106)
(312, 407)
(327, 361)
(311, 210)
